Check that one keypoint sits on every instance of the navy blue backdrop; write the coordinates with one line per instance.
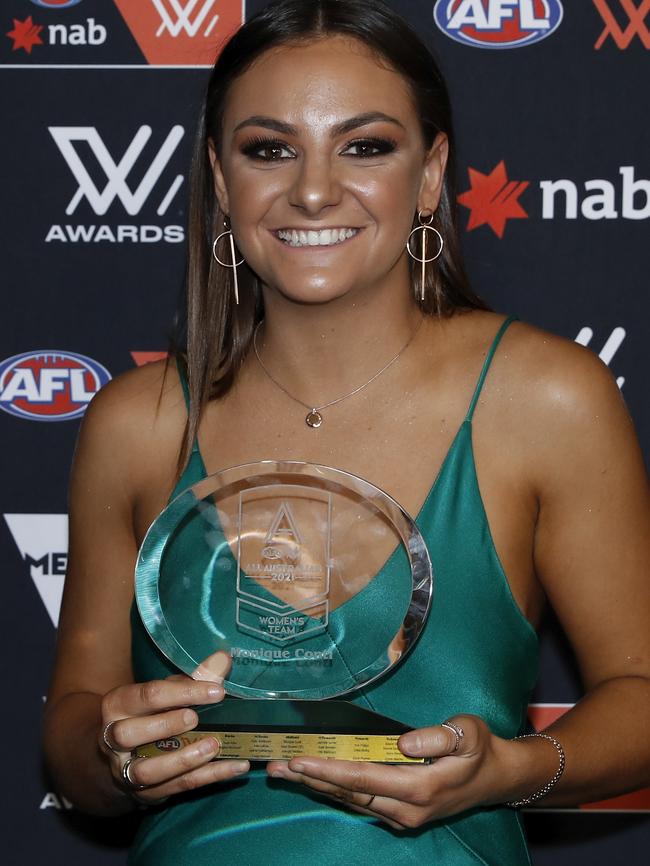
(99, 100)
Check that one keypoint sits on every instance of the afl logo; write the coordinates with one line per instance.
(168, 745)
(48, 385)
(498, 23)
(55, 4)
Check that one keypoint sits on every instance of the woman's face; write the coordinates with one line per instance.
(322, 168)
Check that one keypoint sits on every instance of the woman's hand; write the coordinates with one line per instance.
(407, 796)
(140, 713)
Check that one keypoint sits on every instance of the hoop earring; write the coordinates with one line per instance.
(424, 227)
(235, 264)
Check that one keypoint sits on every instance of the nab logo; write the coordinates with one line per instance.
(498, 23)
(48, 385)
(116, 187)
(26, 34)
(182, 32)
(493, 199)
(42, 540)
(636, 26)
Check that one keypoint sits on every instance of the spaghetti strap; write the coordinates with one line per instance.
(180, 367)
(486, 364)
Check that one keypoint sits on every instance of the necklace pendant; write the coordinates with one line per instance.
(314, 418)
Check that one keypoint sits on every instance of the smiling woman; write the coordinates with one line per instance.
(324, 274)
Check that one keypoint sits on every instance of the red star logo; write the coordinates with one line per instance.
(25, 34)
(493, 199)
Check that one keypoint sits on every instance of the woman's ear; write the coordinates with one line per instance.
(434, 173)
(217, 175)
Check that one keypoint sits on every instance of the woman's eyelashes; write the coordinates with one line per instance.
(369, 147)
(267, 149)
(275, 150)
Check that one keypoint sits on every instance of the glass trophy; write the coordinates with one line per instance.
(315, 583)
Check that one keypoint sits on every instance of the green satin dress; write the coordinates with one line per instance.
(477, 654)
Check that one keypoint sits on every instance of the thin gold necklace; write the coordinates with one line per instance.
(314, 417)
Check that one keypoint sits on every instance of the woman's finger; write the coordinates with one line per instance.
(458, 737)
(400, 783)
(387, 808)
(150, 697)
(214, 668)
(126, 734)
(153, 772)
(205, 774)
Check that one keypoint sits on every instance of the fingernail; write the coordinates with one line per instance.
(204, 673)
(409, 744)
(208, 745)
(189, 717)
(297, 767)
(240, 767)
(215, 692)
(277, 774)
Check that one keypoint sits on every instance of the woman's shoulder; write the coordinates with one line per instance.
(549, 372)
(552, 404)
(560, 376)
(137, 420)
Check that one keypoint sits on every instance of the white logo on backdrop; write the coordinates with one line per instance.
(183, 17)
(612, 344)
(116, 173)
(605, 200)
(42, 540)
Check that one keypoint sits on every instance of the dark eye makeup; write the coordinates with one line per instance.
(264, 149)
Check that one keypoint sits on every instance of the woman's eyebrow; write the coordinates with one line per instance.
(339, 129)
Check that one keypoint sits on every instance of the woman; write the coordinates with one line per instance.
(326, 141)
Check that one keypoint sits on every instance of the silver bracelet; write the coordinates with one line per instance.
(552, 782)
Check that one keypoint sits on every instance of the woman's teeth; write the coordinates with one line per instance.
(323, 238)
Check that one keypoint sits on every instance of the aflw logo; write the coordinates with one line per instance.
(116, 173)
(117, 187)
(42, 540)
(636, 12)
(183, 19)
(182, 32)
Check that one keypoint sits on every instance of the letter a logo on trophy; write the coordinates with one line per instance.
(283, 574)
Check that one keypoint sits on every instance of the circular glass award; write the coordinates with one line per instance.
(312, 580)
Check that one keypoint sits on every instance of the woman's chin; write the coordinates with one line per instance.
(318, 294)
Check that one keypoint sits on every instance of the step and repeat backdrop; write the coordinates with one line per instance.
(99, 100)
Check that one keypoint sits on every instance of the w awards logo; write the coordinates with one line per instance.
(136, 178)
(283, 566)
(42, 540)
(182, 32)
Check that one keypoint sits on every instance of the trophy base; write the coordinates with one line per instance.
(278, 730)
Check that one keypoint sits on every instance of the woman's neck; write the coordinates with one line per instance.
(319, 352)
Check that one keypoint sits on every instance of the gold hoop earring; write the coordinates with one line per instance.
(424, 227)
(233, 258)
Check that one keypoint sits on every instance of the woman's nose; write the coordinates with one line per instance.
(316, 185)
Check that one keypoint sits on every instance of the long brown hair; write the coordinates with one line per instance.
(217, 334)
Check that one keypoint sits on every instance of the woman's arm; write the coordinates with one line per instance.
(592, 556)
(123, 465)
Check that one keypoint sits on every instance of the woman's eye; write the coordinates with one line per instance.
(266, 150)
(370, 147)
